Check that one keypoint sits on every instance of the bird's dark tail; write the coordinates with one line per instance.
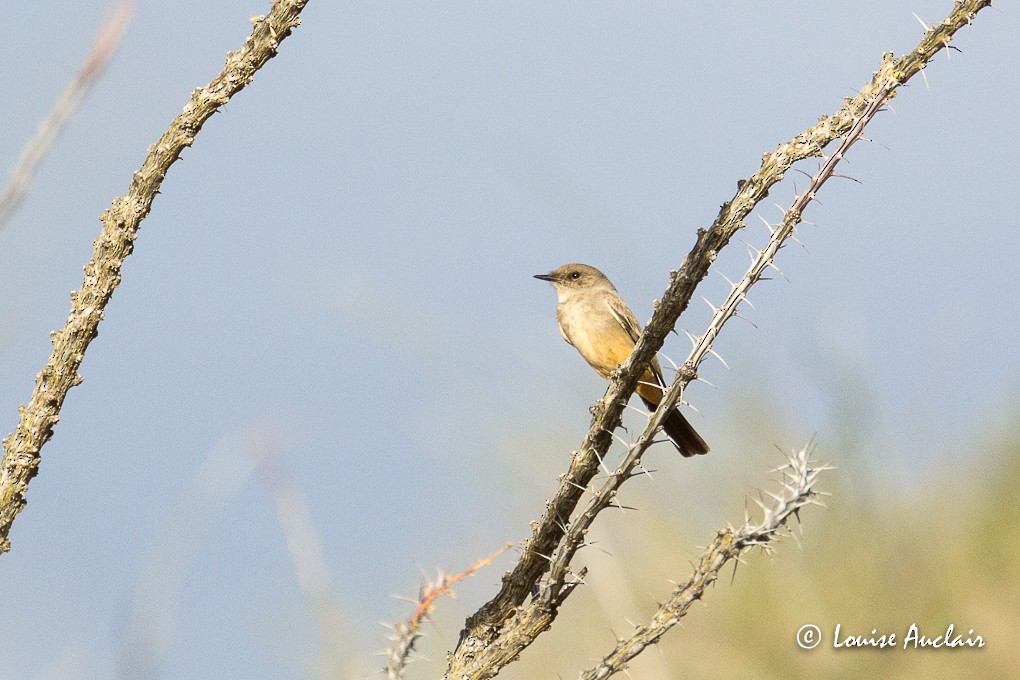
(683, 435)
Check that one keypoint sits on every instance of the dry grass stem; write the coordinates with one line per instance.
(305, 549)
(105, 44)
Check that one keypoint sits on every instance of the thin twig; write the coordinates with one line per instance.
(115, 243)
(406, 633)
(500, 629)
(103, 47)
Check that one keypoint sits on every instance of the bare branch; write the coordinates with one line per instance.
(115, 243)
(103, 47)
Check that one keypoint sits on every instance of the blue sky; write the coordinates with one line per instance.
(343, 261)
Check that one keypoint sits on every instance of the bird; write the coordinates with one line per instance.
(594, 319)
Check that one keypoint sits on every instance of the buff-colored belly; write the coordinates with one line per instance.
(603, 343)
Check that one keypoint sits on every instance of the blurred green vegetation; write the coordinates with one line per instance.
(894, 546)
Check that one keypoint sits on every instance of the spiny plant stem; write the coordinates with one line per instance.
(497, 633)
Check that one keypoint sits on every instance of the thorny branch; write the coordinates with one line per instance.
(115, 243)
(797, 481)
(406, 633)
(497, 633)
(606, 494)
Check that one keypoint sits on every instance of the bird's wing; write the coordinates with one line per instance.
(559, 327)
(621, 312)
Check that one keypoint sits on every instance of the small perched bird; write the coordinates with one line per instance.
(594, 319)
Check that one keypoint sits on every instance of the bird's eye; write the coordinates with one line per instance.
(575, 275)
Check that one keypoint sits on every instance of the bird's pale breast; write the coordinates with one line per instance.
(596, 334)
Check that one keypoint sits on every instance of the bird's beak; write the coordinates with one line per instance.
(546, 277)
